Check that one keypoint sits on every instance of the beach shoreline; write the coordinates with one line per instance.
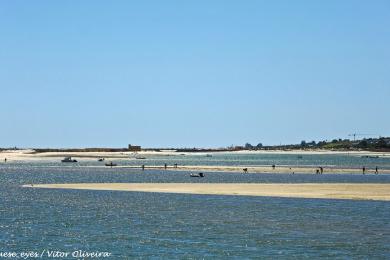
(31, 155)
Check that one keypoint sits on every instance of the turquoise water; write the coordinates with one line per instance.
(177, 226)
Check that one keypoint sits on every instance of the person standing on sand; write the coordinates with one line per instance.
(364, 170)
(143, 167)
(376, 170)
(321, 170)
(5, 160)
(165, 166)
(273, 166)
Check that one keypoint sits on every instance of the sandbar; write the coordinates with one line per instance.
(354, 191)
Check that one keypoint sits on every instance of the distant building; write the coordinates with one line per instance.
(238, 148)
(134, 148)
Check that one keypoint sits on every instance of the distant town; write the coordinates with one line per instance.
(366, 144)
(370, 144)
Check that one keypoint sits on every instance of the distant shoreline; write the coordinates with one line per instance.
(129, 161)
(32, 155)
(194, 150)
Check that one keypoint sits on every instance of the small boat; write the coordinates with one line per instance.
(101, 159)
(111, 164)
(201, 175)
(68, 159)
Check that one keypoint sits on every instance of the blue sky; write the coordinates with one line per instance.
(192, 73)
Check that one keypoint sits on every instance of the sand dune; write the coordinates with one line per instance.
(301, 190)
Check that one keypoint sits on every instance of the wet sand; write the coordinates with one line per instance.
(301, 190)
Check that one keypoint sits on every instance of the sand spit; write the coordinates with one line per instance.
(301, 190)
(269, 169)
(252, 169)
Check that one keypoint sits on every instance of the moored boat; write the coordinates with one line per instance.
(68, 159)
(201, 175)
(111, 164)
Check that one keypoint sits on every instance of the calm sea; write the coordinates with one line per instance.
(228, 159)
(177, 226)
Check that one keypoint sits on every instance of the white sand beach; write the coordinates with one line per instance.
(30, 155)
(299, 190)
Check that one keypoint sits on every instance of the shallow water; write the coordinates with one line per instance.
(228, 159)
(147, 225)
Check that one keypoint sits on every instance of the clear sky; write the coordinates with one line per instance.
(192, 73)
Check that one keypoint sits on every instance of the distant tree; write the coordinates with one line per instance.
(381, 143)
(303, 143)
(248, 146)
(335, 141)
(259, 145)
(321, 143)
(363, 144)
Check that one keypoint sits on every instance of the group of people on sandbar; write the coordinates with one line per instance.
(165, 166)
(364, 170)
(320, 170)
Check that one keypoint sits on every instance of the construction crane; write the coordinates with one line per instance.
(355, 134)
